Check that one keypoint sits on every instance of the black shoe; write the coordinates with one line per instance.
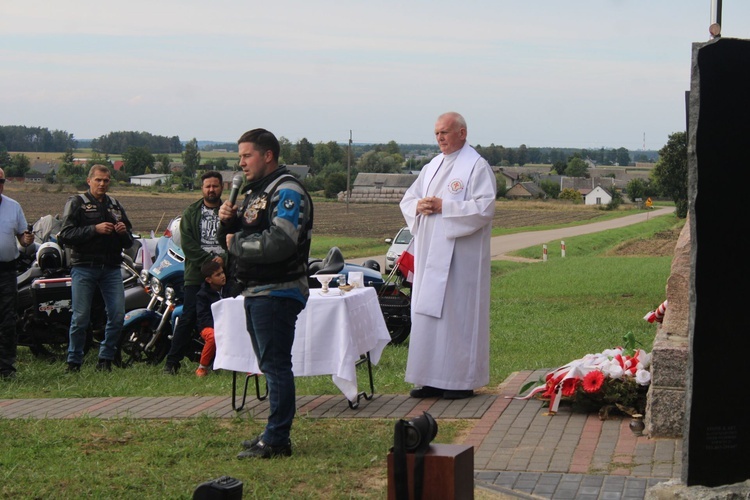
(171, 368)
(249, 443)
(263, 450)
(104, 365)
(458, 394)
(73, 367)
(426, 392)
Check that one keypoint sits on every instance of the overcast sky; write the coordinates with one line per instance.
(575, 73)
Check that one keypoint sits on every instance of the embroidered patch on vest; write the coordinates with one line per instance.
(288, 204)
(455, 186)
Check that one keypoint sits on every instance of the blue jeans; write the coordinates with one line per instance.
(8, 334)
(270, 322)
(183, 334)
(84, 284)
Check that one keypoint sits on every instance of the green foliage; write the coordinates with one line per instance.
(34, 139)
(329, 153)
(191, 157)
(164, 163)
(577, 168)
(219, 164)
(623, 157)
(623, 394)
(314, 183)
(616, 200)
(303, 153)
(501, 185)
(571, 194)
(551, 189)
(120, 142)
(559, 167)
(637, 188)
(380, 162)
(138, 160)
(4, 157)
(19, 166)
(334, 183)
(671, 172)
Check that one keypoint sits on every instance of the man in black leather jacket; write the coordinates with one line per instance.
(269, 237)
(96, 229)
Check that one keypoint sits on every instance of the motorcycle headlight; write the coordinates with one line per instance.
(145, 277)
(169, 293)
(156, 286)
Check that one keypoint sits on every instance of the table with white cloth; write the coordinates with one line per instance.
(332, 333)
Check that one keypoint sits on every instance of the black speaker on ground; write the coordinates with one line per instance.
(224, 488)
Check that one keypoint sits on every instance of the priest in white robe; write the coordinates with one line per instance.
(449, 210)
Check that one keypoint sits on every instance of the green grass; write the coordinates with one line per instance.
(543, 315)
(350, 247)
(125, 458)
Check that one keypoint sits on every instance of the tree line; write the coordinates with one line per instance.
(117, 143)
(35, 139)
(329, 162)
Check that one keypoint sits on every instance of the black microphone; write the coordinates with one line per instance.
(236, 185)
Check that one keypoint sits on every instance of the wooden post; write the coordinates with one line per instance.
(448, 473)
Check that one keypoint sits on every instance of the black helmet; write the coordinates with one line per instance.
(371, 264)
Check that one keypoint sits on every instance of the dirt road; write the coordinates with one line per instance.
(502, 245)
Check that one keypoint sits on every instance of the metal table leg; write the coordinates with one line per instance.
(363, 394)
(244, 393)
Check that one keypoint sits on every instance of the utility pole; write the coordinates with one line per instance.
(715, 28)
(348, 170)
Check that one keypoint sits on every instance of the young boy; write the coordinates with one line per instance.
(211, 291)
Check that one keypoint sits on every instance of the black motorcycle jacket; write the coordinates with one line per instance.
(82, 213)
(272, 232)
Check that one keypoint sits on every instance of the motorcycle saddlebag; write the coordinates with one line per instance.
(224, 488)
(52, 298)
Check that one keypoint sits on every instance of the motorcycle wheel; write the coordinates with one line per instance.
(133, 342)
(399, 333)
(57, 351)
(396, 308)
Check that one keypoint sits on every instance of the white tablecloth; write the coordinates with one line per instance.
(331, 333)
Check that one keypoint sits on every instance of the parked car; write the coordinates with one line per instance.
(398, 245)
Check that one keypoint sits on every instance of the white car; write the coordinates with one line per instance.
(398, 245)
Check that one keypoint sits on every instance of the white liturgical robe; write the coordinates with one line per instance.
(449, 344)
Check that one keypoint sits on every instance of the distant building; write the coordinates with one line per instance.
(148, 179)
(301, 171)
(379, 188)
(525, 191)
(597, 196)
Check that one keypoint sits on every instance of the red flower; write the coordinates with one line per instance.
(593, 381)
(569, 386)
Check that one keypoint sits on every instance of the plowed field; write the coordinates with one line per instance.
(149, 212)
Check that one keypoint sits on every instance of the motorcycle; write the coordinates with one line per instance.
(393, 291)
(44, 295)
(147, 332)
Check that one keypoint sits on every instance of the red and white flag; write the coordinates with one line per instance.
(658, 314)
(405, 262)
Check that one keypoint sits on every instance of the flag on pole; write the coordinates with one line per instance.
(405, 262)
